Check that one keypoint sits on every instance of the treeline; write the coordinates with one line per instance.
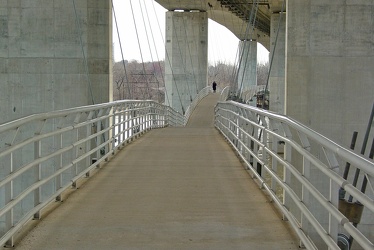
(139, 81)
(134, 80)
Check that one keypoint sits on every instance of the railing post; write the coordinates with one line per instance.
(37, 176)
(114, 125)
(274, 163)
(305, 225)
(76, 154)
(107, 134)
(98, 138)
(286, 172)
(58, 166)
(133, 117)
(9, 216)
(333, 193)
(265, 143)
(88, 160)
(245, 135)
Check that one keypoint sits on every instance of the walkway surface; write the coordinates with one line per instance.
(173, 188)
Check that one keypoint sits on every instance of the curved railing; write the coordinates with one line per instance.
(203, 93)
(224, 94)
(299, 170)
(44, 154)
(51, 151)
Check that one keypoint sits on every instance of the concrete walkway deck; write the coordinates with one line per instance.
(174, 188)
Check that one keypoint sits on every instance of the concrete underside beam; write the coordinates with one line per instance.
(41, 58)
(186, 57)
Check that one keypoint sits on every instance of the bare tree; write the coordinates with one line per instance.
(262, 73)
(138, 81)
(147, 81)
(221, 73)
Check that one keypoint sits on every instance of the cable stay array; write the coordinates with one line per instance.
(143, 21)
(183, 92)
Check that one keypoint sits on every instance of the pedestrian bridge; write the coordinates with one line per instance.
(137, 175)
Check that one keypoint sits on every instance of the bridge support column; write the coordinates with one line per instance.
(247, 76)
(277, 52)
(42, 66)
(329, 76)
(330, 56)
(186, 57)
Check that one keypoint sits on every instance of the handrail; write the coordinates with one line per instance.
(224, 93)
(299, 170)
(44, 154)
(53, 150)
(203, 93)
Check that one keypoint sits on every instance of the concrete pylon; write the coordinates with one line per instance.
(186, 58)
(42, 67)
(330, 60)
(277, 54)
(329, 80)
(247, 74)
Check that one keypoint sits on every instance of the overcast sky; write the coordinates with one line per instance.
(150, 17)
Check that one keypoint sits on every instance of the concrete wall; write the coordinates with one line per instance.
(186, 58)
(330, 59)
(41, 59)
(329, 73)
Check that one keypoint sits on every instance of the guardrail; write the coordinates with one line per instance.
(224, 94)
(299, 170)
(203, 93)
(42, 155)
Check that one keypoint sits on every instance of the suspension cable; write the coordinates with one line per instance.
(159, 64)
(146, 33)
(79, 30)
(123, 59)
(168, 59)
(158, 60)
(272, 56)
(140, 49)
(249, 33)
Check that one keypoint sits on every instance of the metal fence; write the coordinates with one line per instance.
(204, 92)
(299, 169)
(42, 155)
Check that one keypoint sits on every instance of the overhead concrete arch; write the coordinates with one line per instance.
(229, 15)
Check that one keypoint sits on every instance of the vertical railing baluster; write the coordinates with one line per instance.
(76, 154)
(99, 137)
(114, 125)
(274, 148)
(122, 130)
(58, 166)
(333, 193)
(88, 160)
(305, 225)
(286, 173)
(9, 216)
(37, 176)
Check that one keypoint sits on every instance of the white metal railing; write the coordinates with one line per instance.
(42, 155)
(299, 170)
(224, 93)
(203, 93)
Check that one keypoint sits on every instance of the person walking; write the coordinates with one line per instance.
(214, 85)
